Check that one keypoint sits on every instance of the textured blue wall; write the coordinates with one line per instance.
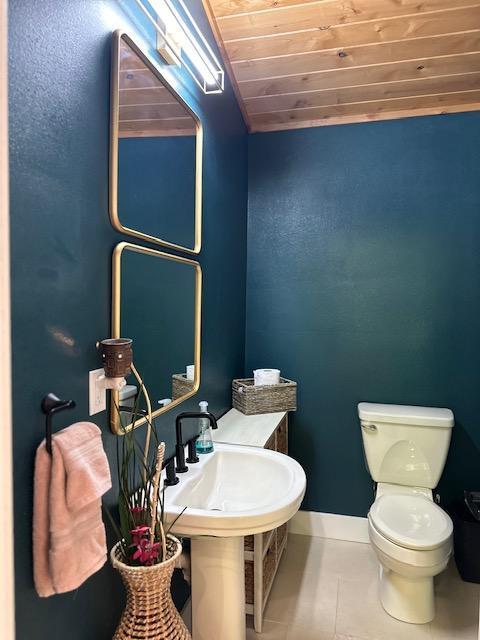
(156, 187)
(146, 283)
(364, 284)
(61, 255)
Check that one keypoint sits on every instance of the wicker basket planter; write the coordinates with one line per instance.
(251, 399)
(150, 612)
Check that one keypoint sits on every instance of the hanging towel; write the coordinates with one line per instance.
(69, 542)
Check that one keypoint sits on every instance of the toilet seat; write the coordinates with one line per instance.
(414, 559)
(411, 521)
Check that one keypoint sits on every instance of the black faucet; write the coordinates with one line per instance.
(180, 446)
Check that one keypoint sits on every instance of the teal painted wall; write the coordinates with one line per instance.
(61, 251)
(170, 331)
(156, 187)
(364, 284)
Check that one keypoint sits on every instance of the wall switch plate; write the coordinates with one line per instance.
(97, 392)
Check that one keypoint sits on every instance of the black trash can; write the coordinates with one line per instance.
(466, 540)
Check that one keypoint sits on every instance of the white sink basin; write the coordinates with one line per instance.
(235, 491)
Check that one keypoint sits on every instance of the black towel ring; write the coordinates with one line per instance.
(51, 405)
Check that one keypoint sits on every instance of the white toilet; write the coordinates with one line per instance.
(406, 448)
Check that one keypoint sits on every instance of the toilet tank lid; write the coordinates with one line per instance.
(406, 414)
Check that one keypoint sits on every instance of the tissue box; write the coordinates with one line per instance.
(251, 400)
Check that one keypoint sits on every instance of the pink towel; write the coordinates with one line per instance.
(69, 543)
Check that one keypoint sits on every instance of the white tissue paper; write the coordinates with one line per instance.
(266, 376)
(191, 372)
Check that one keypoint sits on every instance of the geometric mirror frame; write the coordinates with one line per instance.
(136, 84)
(125, 249)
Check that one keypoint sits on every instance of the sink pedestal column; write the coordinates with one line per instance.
(218, 589)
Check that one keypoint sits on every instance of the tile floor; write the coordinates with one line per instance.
(327, 590)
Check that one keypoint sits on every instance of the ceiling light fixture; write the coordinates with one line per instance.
(180, 42)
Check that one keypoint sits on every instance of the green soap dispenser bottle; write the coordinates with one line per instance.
(204, 441)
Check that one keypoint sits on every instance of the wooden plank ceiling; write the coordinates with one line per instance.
(301, 63)
(147, 108)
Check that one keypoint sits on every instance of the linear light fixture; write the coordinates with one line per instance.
(180, 42)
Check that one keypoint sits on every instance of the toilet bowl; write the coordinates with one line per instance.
(412, 538)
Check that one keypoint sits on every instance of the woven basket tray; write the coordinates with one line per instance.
(251, 400)
(180, 385)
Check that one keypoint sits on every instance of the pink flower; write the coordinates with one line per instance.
(145, 552)
(136, 509)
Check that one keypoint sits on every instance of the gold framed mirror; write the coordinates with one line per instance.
(156, 301)
(156, 149)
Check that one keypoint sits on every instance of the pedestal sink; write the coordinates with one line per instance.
(233, 492)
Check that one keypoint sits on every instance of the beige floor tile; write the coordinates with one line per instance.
(456, 615)
(450, 581)
(330, 557)
(307, 631)
(456, 619)
(299, 597)
(328, 590)
(360, 614)
(303, 553)
(457, 605)
(270, 631)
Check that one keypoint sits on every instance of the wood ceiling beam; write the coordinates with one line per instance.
(345, 36)
(342, 8)
(365, 93)
(168, 124)
(360, 56)
(324, 14)
(413, 69)
(146, 95)
(367, 108)
(366, 117)
(138, 80)
(304, 63)
(154, 133)
(150, 111)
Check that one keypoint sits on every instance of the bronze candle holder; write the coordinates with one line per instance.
(117, 356)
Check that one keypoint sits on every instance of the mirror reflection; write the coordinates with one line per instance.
(159, 298)
(158, 155)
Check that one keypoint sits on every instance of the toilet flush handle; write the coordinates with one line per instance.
(370, 428)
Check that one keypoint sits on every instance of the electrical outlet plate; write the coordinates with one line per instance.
(97, 392)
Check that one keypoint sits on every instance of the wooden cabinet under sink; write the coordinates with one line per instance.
(264, 550)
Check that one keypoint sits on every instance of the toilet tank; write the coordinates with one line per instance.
(405, 445)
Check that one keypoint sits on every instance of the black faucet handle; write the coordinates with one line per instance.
(171, 478)
(192, 451)
(180, 454)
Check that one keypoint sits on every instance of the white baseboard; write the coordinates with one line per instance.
(330, 525)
